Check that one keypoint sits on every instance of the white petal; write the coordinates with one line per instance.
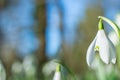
(112, 53)
(104, 46)
(91, 53)
(114, 38)
(57, 76)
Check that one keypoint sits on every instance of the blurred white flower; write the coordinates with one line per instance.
(49, 67)
(17, 67)
(57, 75)
(103, 46)
(29, 65)
(2, 72)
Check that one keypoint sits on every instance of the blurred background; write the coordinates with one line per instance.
(34, 33)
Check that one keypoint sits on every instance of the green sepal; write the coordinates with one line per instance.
(58, 68)
(100, 25)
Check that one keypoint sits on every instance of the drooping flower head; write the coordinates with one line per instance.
(57, 75)
(103, 46)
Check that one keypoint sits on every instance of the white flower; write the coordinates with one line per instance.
(104, 46)
(57, 75)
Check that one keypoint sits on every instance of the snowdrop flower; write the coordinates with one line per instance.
(103, 46)
(57, 75)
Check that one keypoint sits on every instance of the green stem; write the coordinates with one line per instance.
(112, 24)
